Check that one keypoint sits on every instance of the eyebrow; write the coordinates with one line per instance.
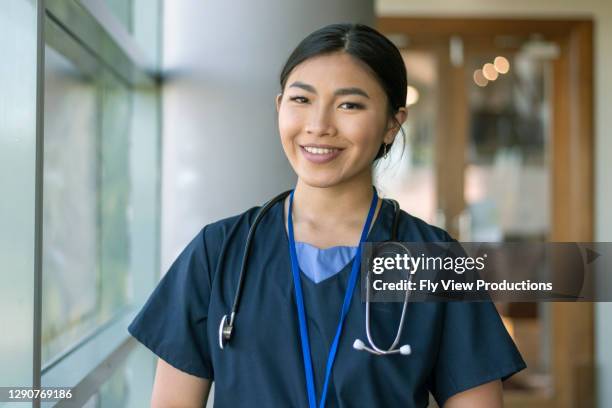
(340, 91)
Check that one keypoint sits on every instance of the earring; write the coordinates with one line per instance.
(385, 152)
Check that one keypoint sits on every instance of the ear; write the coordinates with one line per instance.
(394, 123)
(279, 97)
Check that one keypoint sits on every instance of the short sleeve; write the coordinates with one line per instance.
(475, 348)
(172, 322)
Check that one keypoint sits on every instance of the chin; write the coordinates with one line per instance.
(320, 182)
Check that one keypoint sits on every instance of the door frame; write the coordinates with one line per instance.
(572, 174)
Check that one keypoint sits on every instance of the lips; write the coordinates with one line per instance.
(320, 153)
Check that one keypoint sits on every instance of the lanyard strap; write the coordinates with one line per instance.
(299, 300)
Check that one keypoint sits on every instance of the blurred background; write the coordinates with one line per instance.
(127, 125)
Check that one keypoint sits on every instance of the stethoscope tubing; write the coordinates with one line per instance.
(226, 327)
(398, 335)
(226, 324)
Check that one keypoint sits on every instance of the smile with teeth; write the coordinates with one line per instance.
(319, 150)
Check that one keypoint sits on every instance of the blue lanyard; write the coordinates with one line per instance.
(299, 300)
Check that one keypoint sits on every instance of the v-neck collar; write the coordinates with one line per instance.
(321, 264)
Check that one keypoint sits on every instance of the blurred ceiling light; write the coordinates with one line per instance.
(412, 95)
(489, 71)
(501, 64)
(479, 78)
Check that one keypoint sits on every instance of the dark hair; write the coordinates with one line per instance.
(367, 45)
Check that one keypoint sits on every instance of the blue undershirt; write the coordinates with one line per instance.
(319, 264)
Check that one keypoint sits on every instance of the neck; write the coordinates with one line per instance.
(345, 203)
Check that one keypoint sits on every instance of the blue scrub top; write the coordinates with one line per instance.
(455, 345)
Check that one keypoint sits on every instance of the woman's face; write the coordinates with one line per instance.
(332, 119)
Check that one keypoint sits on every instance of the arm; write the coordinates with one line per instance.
(175, 389)
(487, 395)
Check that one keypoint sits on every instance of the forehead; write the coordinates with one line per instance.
(337, 70)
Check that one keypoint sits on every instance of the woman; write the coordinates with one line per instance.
(342, 102)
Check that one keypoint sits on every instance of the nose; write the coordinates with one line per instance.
(320, 122)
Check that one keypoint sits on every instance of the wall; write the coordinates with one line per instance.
(220, 140)
(601, 12)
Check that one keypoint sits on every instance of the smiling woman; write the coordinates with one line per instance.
(341, 104)
(333, 111)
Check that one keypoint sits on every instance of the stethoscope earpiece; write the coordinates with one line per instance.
(404, 350)
(358, 344)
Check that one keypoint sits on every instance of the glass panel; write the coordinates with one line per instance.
(507, 177)
(17, 189)
(144, 209)
(408, 174)
(86, 193)
(147, 28)
(114, 194)
(70, 242)
(122, 10)
(127, 387)
(141, 19)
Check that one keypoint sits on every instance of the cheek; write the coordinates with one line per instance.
(364, 131)
(289, 123)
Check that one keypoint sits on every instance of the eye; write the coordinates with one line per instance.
(351, 105)
(298, 99)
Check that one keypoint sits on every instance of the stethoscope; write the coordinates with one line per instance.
(226, 325)
(359, 344)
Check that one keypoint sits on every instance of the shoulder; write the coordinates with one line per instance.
(216, 233)
(412, 228)
(224, 226)
(207, 246)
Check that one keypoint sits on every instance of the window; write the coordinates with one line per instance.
(85, 199)
(79, 218)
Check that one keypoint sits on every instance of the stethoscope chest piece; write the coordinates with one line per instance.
(226, 326)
